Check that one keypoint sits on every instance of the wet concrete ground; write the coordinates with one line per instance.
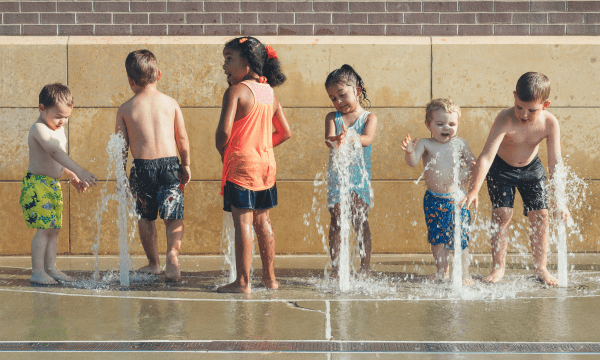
(395, 306)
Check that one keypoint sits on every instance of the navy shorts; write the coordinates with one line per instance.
(242, 198)
(439, 217)
(530, 180)
(155, 185)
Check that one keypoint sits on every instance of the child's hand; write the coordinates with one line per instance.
(77, 184)
(185, 175)
(563, 214)
(87, 178)
(409, 146)
(339, 139)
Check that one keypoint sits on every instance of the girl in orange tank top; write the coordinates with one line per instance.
(245, 140)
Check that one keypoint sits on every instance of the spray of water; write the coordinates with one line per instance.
(568, 192)
(457, 266)
(343, 161)
(228, 246)
(127, 217)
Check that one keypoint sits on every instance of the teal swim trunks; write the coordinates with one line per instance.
(41, 201)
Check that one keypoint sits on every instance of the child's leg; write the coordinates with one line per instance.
(440, 255)
(335, 239)
(467, 280)
(360, 219)
(266, 244)
(148, 237)
(174, 239)
(539, 245)
(242, 221)
(50, 258)
(39, 245)
(500, 222)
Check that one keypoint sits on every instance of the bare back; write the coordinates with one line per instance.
(150, 121)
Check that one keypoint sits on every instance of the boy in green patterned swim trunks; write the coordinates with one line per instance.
(41, 195)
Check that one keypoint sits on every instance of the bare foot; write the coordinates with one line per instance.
(271, 284)
(235, 287)
(42, 278)
(468, 281)
(438, 276)
(59, 275)
(172, 271)
(366, 273)
(495, 276)
(150, 270)
(545, 276)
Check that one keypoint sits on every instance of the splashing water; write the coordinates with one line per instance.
(125, 208)
(228, 245)
(349, 156)
(458, 195)
(569, 192)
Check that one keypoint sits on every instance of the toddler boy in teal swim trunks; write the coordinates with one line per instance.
(442, 118)
(41, 194)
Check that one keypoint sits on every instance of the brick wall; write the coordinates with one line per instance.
(408, 18)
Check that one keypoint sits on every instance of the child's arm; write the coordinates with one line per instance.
(484, 162)
(369, 132)
(121, 127)
(183, 146)
(331, 137)
(413, 150)
(554, 161)
(280, 123)
(51, 145)
(223, 133)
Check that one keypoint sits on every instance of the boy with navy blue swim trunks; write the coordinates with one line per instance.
(510, 160)
(152, 125)
(442, 118)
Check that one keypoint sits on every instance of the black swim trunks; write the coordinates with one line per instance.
(530, 180)
(155, 184)
(242, 198)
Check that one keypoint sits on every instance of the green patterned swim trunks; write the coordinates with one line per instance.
(41, 201)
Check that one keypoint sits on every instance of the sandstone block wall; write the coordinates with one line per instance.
(401, 74)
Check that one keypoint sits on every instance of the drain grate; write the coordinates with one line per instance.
(308, 346)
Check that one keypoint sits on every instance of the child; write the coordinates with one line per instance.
(41, 194)
(245, 140)
(442, 118)
(348, 95)
(152, 125)
(510, 156)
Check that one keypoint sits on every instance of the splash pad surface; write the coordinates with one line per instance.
(393, 313)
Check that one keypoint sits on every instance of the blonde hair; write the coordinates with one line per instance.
(448, 105)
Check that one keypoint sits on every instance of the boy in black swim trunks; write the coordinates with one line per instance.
(510, 155)
(153, 127)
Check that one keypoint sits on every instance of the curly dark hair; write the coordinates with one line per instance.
(348, 76)
(256, 55)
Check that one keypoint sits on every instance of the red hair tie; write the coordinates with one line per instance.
(242, 40)
(262, 79)
(270, 52)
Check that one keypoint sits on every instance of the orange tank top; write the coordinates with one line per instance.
(249, 159)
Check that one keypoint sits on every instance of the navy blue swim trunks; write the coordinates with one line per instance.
(439, 217)
(530, 180)
(242, 198)
(155, 185)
